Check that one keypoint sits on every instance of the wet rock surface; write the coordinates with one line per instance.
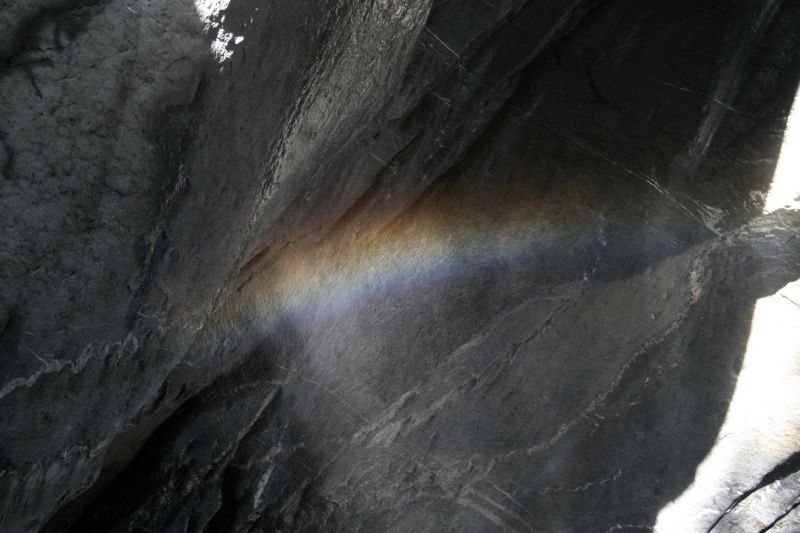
(396, 266)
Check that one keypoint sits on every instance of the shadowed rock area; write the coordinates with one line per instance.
(407, 266)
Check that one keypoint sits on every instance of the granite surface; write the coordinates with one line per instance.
(418, 265)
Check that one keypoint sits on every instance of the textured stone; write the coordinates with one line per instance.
(394, 266)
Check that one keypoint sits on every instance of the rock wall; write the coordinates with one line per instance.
(393, 266)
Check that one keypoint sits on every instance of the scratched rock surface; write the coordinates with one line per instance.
(394, 265)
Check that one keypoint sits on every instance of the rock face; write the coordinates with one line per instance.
(385, 265)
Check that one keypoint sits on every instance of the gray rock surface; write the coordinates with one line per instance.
(387, 265)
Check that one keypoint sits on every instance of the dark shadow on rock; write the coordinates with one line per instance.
(531, 379)
(663, 394)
